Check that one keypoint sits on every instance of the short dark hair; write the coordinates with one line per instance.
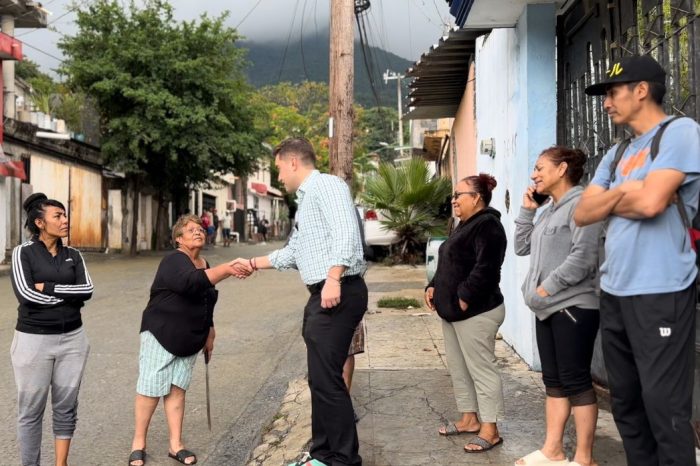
(657, 91)
(483, 183)
(575, 160)
(34, 206)
(300, 147)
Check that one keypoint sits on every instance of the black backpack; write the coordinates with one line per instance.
(694, 226)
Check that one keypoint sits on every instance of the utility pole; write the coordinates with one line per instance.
(388, 76)
(341, 88)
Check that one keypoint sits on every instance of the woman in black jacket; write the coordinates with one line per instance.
(177, 324)
(50, 347)
(466, 295)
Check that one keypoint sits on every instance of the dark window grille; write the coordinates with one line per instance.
(594, 33)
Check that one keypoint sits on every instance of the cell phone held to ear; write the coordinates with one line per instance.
(539, 198)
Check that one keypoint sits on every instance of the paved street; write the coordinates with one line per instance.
(258, 350)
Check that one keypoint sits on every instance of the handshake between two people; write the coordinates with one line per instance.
(242, 268)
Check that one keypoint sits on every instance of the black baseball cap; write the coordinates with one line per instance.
(628, 70)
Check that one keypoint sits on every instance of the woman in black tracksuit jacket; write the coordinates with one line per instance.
(466, 295)
(50, 348)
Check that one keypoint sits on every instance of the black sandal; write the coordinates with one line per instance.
(137, 455)
(182, 455)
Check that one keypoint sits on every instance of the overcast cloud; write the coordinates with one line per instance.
(404, 27)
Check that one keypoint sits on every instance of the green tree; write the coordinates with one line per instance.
(27, 69)
(173, 104)
(410, 200)
(374, 126)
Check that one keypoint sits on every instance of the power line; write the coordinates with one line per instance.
(248, 14)
(41, 51)
(289, 38)
(365, 55)
(439, 14)
(301, 41)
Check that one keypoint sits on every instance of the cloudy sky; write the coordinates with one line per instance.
(404, 27)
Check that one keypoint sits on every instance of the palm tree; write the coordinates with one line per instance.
(410, 200)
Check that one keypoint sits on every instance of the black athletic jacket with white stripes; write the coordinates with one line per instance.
(67, 285)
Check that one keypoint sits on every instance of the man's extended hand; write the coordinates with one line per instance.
(330, 294)
(241, 268)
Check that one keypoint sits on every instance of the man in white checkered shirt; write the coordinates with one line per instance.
(325, 247)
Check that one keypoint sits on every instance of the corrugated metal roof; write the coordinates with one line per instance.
(440, 76)
(460, 10)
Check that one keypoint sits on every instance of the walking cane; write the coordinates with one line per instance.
(206, 377)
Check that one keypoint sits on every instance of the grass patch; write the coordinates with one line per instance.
(398, 303)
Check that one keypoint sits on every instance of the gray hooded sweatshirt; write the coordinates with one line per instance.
(564, 257)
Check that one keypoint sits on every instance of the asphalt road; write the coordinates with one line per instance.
(258, 350)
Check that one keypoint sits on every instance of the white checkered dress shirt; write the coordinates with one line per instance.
(326, 232)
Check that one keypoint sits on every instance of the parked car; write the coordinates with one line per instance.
(376, 235)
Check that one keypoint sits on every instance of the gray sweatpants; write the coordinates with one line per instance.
(476, 380)
(40, 363)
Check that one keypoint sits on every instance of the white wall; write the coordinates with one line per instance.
(516, 106)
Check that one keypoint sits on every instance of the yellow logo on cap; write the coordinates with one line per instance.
(616, 70)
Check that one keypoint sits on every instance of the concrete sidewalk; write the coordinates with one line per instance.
(402, 393)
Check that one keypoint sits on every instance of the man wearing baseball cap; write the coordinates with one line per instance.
(647, 303)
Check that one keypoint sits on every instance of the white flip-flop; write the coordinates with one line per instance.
(537, 458)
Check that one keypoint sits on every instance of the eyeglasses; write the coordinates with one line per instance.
(456, 194)
(192, 231)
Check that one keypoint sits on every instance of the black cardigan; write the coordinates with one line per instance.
(181, 308)
(469, 267)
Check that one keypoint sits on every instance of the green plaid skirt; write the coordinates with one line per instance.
(159, 369)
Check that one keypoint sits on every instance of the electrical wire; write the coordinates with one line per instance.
(248, 14)
(289, 38)
(41, 51)
(301, 41)
(366, 55)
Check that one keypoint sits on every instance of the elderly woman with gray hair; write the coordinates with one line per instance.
(177, 324)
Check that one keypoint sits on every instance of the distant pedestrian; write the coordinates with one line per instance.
(177, 324)
(465, 293)
(215, 224)
(648, 298)
(560, 288)
(262, 229)
(226, 223)
(325, 247)
(50, 347)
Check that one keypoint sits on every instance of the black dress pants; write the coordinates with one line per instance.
(649, 351)
(328, 333)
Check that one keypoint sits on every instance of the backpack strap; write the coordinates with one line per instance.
(621, 148)
(656, 142)
(654, 151)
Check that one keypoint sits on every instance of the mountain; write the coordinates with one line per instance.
(307, 59)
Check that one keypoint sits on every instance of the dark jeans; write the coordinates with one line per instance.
(565, 342)
(648, 345)
(327, 333)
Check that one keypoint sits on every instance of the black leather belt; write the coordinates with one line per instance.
(317, 287)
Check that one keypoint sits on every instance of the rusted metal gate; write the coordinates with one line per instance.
(590, 36)
(593, 33)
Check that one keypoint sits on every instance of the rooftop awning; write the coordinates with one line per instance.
(440, 76)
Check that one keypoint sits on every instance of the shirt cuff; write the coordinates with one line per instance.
(527, 214)
(551, 286)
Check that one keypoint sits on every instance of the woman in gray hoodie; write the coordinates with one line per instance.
(560, 288)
